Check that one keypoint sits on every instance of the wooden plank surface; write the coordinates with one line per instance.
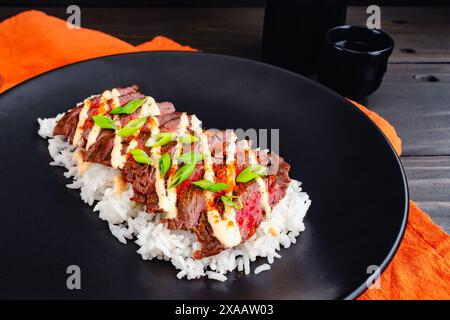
(429, 186)
(237, 31)
(426, 30)
(419, 109)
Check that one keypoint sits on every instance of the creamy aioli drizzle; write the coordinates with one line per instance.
(225, 228)
(172, 193)
(81, 120)
(103, 109)
(117, 160)
(264, 193)
(229, 212)
(163, 201)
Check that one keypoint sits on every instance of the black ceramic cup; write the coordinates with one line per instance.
(354, 60)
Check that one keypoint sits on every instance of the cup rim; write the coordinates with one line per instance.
(389, 39)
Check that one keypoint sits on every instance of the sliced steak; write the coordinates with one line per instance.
(67, 125)
(142, 179)
(277, 179)
(100, 151)
(169, 148)
(125, 118)
(169, 122)
(191, 204)
(128, 90)
(124, 99)
(209, 244)
(166, 107)
(278, 184)
(191, 215)
(216, 144)
(87, 127)
(251, 214)
(196, 175)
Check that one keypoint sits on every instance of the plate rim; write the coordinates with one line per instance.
(405, 216)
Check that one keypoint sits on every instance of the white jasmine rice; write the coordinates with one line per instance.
(262, 268)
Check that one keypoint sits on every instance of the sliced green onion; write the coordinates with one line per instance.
(253, 171)
(188, 139)
(131, 127)
(160, 139)
(210, 186)
(190, 157)
(232, 201)
(140, 156)
(164, 163)
(129, 108)
(104, 122)
(182, 174)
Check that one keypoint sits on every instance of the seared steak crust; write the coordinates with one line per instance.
(67, 125)
(142, 179)
(100, 152)
(205, 235)
(191, 205)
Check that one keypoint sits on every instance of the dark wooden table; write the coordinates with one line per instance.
(417, 107)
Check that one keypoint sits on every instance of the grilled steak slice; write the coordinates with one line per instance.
(100, 151)
(67, 125)
(251, 214)
(278, 184)
(169, 122)
(128, 90)
(142, 179)
(87, 127)
(124, 99)
(166, 107)
(191, 204)
(125, 118)
(204, 234)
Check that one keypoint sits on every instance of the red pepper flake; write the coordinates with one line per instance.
(152, 121)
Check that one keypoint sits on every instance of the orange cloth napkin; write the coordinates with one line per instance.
(32, 43)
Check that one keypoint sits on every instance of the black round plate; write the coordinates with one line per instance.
(353, 176)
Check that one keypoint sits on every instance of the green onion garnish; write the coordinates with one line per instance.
(164, 163)
(190, 157)
(210, 186)
(188, 139)
(140, 156)
(232, 201)
(182, 174)
(104, 122)
(253, 171)
(160, 139)
(129, 108)
(131, 127)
